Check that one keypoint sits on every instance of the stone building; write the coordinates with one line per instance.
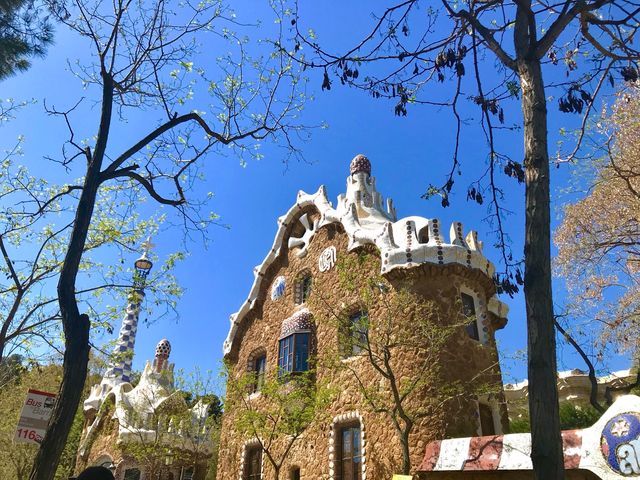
(282, 328)
(574, 386)
(145, 431)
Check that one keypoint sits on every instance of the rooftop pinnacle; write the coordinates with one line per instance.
(359, 164)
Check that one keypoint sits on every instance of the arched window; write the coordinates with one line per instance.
(294, 345)
(293, 353)
(253, 463)
(349, 453)
(303, 287)
(354, 334)
(423, 235)
(259, 369)
(257, 366)
(469, 311)
(346, 441)
(488, 418)
(294, 473)
(186, 474)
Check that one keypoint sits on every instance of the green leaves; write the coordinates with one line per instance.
(280, 412)
(188, 66)
(35, 222)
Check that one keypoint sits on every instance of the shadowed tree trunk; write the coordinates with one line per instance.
(75, 325)
(546, 441)
(404, 444)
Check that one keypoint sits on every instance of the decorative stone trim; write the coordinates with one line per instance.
(365, 225)
(251, 443)
(498, 308)
(327, 259)
(359, 164)
(338, 421)
(252, 358)
(303, 242)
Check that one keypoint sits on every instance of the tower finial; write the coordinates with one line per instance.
(359, 164)
(147, 246)
(163, 350)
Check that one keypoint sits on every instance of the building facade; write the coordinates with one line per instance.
(301, 304)
(144, 430)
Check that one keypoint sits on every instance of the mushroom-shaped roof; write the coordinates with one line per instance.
(163, 349)
(359, 164)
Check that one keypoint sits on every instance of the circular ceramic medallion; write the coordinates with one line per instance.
(620, 444)
(277, 289)
(327, 259)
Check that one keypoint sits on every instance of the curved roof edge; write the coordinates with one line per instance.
(401, 242)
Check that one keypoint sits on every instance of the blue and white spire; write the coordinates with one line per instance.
(119, 370)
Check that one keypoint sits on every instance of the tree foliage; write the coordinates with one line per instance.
(277, 416)
(17, 458)
(176, 428)
(147, 63)
(571, 417)
(32, 249)
(599, 238)
(25, 32)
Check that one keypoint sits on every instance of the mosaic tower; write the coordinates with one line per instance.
(119, 370)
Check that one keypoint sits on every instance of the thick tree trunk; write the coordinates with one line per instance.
(546, 441)
(75, 325)
(76, 356)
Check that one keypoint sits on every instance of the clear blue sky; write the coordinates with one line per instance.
(407, 154)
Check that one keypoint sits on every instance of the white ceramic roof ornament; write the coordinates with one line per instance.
(370, 220)
(136, 409)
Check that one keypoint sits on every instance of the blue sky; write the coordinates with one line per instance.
(407, 154)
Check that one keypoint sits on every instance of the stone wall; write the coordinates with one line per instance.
(461, 362)
(103, 441)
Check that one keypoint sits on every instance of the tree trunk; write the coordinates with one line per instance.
(406, 457)
(2, 343)
(546, 453)
(75, 325)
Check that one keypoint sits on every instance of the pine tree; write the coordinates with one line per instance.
(25, 31)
